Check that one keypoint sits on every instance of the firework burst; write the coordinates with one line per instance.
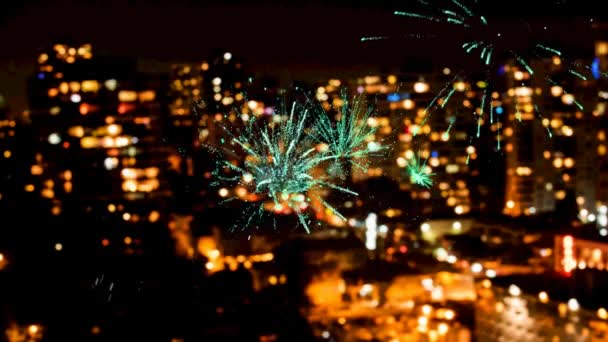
(480, 37)
(283, 158)
(418, 173)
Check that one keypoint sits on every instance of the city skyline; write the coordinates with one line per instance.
(165, 33)
(157, 186)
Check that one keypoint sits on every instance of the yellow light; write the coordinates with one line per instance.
(209, 265)
(111, 208)
(459, 210)
(147, 96)
(33, 329)
(114, 129)
(543, 297)
(602, 313)
(154, 216)
(58, 247)
(127, 96)
(53, 92)
(567, 131)
(126, 216)
(486, 283)
(272, 280)
(223, 192)
(556, 91)
(7, 154)
(460, 86)
(127, 240)
(510, 204)
(408, 104)
(56, 210)
(442, 328)
(426, 309)
(29, 187)
(421, 87)
(558, 163)
(1, 257)
(89, 86)
(213, 254)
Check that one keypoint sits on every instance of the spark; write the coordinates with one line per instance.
(446, 135)
(418, 174)
(524, 64)
(546, 48)
(347, 138)
(427, 110)
(283, 157)
(447, 98)
(367, 39)
(577, 74)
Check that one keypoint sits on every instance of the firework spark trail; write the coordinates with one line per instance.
(491, 111)
(464, 8)
(367, 39)
(446, 134)
(281, 156)
(549, 49)
(578, 104)
(418, 174)
(523, 63)
(447, 98)
(540, 117)
(489, 56)
(416, 15)
(577, 74)
(428, 113)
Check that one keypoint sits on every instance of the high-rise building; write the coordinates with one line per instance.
(98, 149)
(599, 68)
(8, 152)
(549, 133)
(440, 137)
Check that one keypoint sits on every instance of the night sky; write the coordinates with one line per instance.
(292, 40)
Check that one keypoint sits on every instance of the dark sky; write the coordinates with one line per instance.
(292, 39)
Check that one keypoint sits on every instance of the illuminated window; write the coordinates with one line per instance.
(64, 87)
(76, 131)
(111, 84)
(74, 87)
(90, 86)
(421, 87)
(556, 91)
(601, 48)
(127, 96)
(147, 96)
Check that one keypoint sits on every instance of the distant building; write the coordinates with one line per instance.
(98, 148)
(440, 136)
(550, 132)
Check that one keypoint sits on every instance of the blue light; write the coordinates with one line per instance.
(434, 154)
(499, 110)
(40, 76)
(502, 70)
(595, 68)
(394, 97)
